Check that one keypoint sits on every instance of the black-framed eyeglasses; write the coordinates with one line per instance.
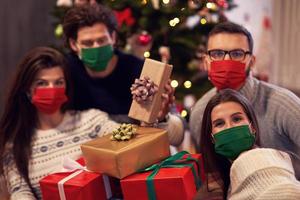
(235, 54)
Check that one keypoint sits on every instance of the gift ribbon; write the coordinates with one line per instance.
(175, 161)
(71, 165)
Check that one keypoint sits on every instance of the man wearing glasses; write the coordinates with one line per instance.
(229, 61)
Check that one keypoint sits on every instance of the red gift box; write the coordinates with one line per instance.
(76, 185)
(172, 182)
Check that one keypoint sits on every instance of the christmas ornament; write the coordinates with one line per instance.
(64, 3)
(155, 4)
(84, 2)
(193, 4)
(164, 52)
(125, 16)
(144, 38)
(192, 21)
(189, 101)
(135, 47)
(222, 3)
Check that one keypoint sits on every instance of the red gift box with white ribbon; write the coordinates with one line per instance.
(78, 184)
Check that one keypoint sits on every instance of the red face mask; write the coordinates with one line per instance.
(227, 74)
(49, 100)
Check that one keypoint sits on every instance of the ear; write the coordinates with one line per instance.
(252, 62)
(73, 45)
(114, 37)
(28, 95)
(206, 63)
(252, 129)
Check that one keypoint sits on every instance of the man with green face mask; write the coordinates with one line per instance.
(97, 58)
(102, 76)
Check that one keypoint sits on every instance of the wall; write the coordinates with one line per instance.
(277, 49)
(24, 24)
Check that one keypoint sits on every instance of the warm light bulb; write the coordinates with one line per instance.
(187, 84)
(176, 20)
(209, 5)
(166, 1)
(172, 23)
(147, 54)
(59, 30)
(203, 21)
(144, 2)
(174, 83)
(183, 113)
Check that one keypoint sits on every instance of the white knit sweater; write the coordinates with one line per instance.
(263, 174)
(50, 146)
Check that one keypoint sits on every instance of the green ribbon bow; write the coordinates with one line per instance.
(175, 161)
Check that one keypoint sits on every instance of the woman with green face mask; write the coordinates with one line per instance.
(229, 145)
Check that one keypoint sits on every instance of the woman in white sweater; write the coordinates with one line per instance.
(38, 130)
(229, 141)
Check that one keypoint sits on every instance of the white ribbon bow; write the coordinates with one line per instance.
(70, 165)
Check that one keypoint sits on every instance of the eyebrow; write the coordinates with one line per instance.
(40, 79)
(98, 38)
(236, 113)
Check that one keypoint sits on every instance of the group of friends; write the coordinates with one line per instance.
(245, 129)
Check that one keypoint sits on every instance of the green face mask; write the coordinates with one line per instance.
(233, 141)
(97, 58)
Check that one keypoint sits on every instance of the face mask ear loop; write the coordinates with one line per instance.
(253, 131)
(28, 95)
(212, 138)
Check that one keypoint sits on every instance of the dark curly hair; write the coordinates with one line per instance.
(87, 15)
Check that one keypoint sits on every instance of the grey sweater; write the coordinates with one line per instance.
(277, 110)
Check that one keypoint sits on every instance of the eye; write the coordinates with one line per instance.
(237, 119)
(60, 82)
(217, 53)
(41, 83)
(101, 41)
(237, 54)
(218, 123)
(87, 43)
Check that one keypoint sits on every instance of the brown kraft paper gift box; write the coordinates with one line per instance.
(122, 158)
(159, 73)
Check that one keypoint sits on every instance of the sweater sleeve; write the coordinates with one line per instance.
(175, 129)
(287, 120)
(16, 185)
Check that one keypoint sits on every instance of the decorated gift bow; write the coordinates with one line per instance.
(175, 161)
(71, 165)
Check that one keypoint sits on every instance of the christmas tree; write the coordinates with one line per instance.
(173, 31)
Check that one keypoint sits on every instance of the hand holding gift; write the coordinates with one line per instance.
(168, 99)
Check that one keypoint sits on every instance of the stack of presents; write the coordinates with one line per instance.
(137, 168)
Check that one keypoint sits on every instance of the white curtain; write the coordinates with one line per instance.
(286, 34)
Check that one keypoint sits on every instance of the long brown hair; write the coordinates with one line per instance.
(215, 164)
(19, 119)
